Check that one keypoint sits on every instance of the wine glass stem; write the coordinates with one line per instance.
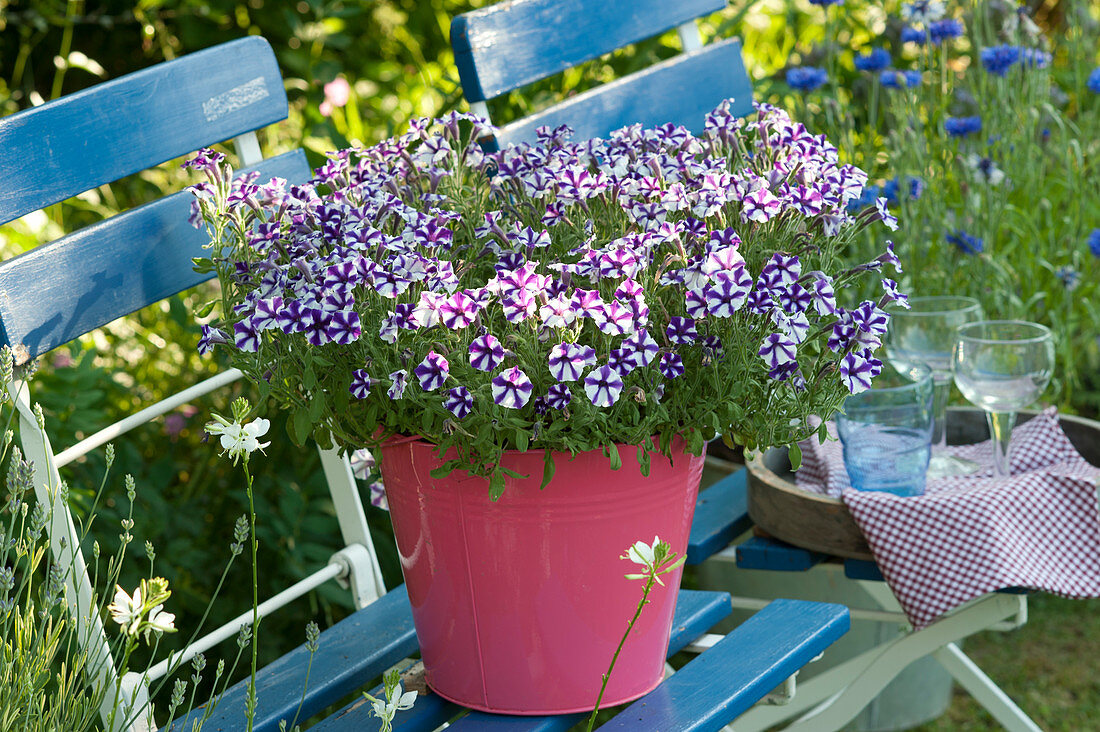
(940, 392)
(1000, 430)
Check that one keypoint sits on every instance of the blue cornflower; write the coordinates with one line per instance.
(1035, 58)
(894, 79)
(1094, 242)
(962, 126)
(941, 30)
(1070, 277)
(877, 60)
(999, 59)
(1094, 81)
(891, 187)
(966, 243)
(909, 34)
(867, 198)
(806, 78)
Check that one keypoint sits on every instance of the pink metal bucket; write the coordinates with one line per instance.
(520, 604)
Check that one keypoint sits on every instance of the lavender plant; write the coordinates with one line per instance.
(563, 295)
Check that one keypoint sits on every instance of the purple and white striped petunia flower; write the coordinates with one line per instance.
(857, 369)
(671, 365)
(729, 292)
(458, 311)
(759, 206)
(568, 360)
(621, 360)
(614, 318)
(486, 353)
(360, 384)
(892, 294)
(398, 382)
(603, 386)
(681, 331)
(512, 389)
(641, 348)
(778, 349)
(823, 294)
(432, 371)
(267, 313)
(459, 402)
(245, 336)
(211, 337)
(558, 396)
(343, 327)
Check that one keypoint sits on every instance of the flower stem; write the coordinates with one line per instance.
(637, 613)
(251, 705)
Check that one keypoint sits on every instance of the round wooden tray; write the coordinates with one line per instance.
(823, 524)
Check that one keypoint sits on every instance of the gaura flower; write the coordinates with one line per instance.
(239, 440)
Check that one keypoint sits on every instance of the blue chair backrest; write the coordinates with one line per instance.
(60, 290)
(512, 44)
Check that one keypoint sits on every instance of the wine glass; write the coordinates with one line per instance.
(1002, 366)
(925, 334)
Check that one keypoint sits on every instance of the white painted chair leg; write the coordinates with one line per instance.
(984, 690)
(64, 545)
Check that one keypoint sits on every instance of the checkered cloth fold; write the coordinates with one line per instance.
(970, 535)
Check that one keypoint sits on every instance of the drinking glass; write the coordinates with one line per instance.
(1002, 366)
(925, 333)
(886, 432)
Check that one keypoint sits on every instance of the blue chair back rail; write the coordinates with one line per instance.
(509, 45)
(109, 269)
(53, 152)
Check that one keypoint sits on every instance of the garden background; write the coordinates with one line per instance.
(1008, 214)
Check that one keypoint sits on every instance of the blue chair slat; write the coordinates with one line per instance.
(761, 553)
(862, 569)
(109, 269)
(696, 612)
(689, 86)
(721, 515)
(739, 670)
(124, 126)
(350, 654)
(508, 45)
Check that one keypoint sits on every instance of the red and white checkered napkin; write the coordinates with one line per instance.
(971, 535)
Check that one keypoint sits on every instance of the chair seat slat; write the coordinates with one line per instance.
(688, 86)
(350, 654)
(506, 46)
(110, 269)
(721, 515)
(135, 122)
(696, 612)
(740, 669)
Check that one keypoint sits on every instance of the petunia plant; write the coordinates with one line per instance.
(566, 295)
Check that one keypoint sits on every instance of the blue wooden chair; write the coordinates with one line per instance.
(509, 45)
(68, 287)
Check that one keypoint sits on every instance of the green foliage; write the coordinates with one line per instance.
(1021, 185)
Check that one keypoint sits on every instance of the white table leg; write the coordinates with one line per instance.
(849, 687)
(984, 691)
